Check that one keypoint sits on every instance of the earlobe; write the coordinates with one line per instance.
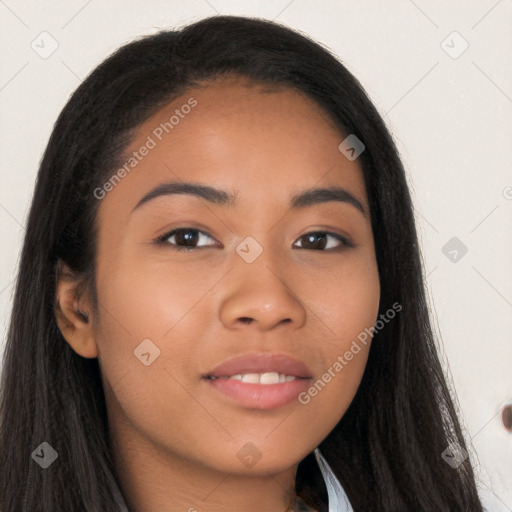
(73, 313)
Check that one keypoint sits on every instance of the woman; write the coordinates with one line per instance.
(220, 300)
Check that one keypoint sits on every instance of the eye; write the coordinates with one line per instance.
(317, 240)
(185, 239)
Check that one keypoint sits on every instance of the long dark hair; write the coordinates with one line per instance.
(386, 450)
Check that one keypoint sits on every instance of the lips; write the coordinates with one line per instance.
(250, 381)
(261, 363)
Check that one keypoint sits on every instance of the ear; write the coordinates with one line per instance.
(73, 311)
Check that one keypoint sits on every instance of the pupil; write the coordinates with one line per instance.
(311, 238)
(187, 236)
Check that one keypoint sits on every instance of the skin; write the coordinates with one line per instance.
(176, 438)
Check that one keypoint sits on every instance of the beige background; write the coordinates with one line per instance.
(449, 110)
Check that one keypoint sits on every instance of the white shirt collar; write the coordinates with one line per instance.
(338, 500)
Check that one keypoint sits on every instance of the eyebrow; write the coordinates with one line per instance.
(302, 199)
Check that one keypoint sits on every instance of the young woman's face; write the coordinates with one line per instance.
(253, 281)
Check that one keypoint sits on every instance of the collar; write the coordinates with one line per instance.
(338, 500)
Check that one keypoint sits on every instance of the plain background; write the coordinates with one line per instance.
(449, 110)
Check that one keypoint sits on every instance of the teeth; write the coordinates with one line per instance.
(262, 378)
(269, 378)
(251, 378)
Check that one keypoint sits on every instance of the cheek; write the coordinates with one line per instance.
(345, 298)
(136, 310)
(149, 300)
(345, 303)
(150, 324)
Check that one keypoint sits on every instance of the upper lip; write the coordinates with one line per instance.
(261, 363)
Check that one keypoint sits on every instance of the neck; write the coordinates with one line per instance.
(154, 479)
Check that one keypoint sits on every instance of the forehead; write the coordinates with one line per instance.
(239, 136)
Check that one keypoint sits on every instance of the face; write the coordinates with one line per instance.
(251, 270)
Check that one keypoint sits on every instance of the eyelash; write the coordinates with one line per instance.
(164, 240)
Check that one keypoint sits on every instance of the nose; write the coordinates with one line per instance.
(262, 294)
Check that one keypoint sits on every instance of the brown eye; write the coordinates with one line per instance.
(319, 241)
(185, 238)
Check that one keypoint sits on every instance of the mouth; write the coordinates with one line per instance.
(259, 378)
(264, 365)
(260, 381)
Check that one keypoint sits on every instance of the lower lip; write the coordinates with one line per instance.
(260, 396)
